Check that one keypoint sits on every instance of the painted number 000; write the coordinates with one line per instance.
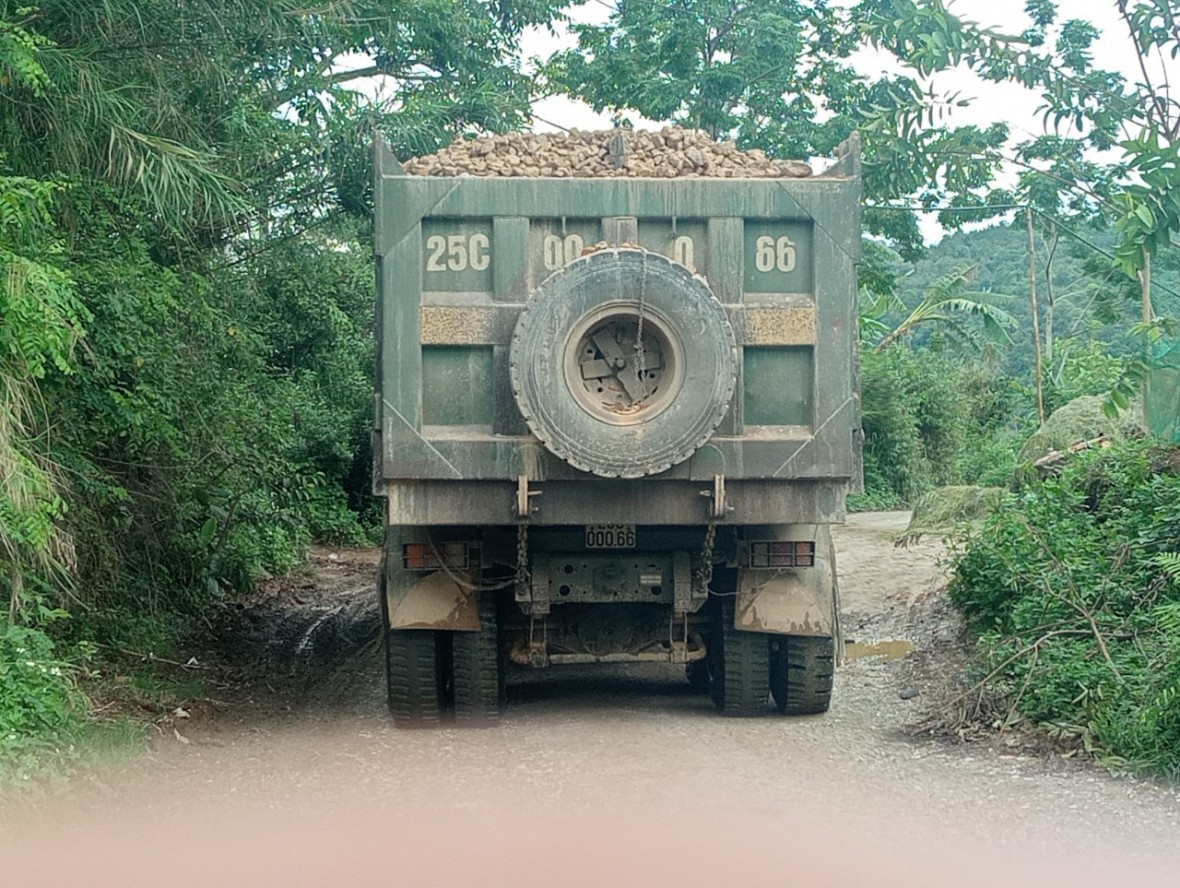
(458, 252)
(774, 254)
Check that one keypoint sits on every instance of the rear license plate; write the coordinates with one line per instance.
(610, 536)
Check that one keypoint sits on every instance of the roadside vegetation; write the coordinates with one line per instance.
(186, 299)
(1073, 586)
(185, 315)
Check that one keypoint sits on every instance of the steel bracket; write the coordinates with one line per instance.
(718, 507)
(682, 585)
(524, 497)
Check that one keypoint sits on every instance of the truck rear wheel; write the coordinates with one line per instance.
(414, 672)
(741, 686)
(801, 673)
(478, 681)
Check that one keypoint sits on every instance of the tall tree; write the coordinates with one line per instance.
(198, 109)
(1090, 108)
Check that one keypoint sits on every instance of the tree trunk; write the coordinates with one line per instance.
(1145, 289)
(1050, 294)
(1036, 322)
(1148, 317)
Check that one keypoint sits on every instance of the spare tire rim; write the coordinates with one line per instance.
(603, 363)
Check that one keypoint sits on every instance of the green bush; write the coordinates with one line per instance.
(932, 419)
(217, 419)
(1082, 367)
(894, 463)
(990, 462)
(42, 713)
(1074, 588)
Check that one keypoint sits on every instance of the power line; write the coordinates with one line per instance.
(923, 208)
(538, 117)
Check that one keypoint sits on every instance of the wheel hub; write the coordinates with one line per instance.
(613, 374)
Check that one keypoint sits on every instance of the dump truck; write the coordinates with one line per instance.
(616, 415)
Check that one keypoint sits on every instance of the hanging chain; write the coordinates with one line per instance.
(522, 555)
(705, 571)
(640, 357)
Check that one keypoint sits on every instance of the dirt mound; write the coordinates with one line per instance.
(671, 153)
(1082, 419)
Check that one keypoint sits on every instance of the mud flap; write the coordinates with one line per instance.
(792, 601)
(432, 601)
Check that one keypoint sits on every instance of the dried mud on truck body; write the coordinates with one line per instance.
(616, 415)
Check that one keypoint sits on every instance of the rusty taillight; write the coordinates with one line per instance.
(782, 553)
(428, 556)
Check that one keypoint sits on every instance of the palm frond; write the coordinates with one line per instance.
(177, 181)
(130, 131)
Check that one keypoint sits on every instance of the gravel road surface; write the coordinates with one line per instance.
(612, 775)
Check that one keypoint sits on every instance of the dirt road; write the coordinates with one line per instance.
(618, 775)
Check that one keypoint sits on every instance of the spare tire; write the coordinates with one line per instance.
(623, 363)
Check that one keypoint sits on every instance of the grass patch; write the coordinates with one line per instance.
(952, 510)
(42, 712)
(1082, 419)
(874, 501)
(63, 710)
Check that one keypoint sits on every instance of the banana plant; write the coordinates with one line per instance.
(951, 305)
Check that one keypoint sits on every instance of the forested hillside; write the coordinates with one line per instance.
(1092, 301)
(956, 403)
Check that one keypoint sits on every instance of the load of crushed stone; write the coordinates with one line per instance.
(671, 153)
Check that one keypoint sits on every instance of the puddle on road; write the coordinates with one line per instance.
(889, 650)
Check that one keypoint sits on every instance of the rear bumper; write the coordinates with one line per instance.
(667, 502)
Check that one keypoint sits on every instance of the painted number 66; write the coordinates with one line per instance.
(772, 254)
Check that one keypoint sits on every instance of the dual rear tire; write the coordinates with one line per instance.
(429, 673)
(745, 671)
(415, 670)
(802, 669)
(477, 673)
(739, 682)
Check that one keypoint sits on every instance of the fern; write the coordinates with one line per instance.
(1169, 563)
(1167, 622)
